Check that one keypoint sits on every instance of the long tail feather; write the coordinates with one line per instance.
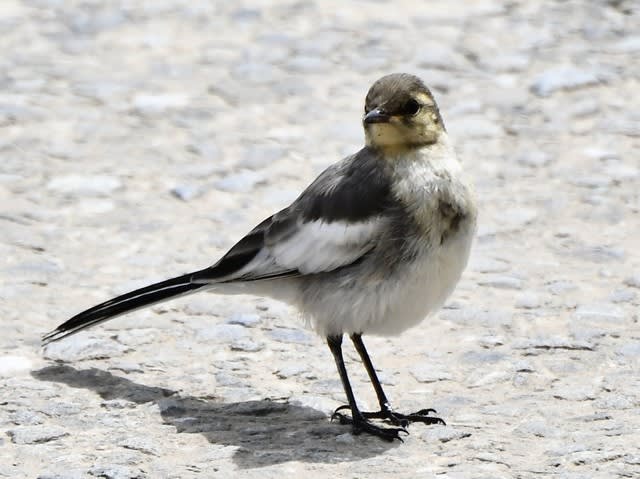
(125, 303)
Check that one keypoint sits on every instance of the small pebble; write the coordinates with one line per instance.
(527, 301)
(297, 336)
(501, 282)
(633, 281)
(36, 434)
(563, 78)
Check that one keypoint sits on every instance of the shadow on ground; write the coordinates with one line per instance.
(266, 432)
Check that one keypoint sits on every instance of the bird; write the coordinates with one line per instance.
(373, 246)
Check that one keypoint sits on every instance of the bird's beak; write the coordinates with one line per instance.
(376, 116)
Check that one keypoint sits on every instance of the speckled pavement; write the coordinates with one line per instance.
(140, 139)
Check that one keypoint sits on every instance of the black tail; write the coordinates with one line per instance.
(123, 304)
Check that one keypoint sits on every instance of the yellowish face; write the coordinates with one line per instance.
(416, 123)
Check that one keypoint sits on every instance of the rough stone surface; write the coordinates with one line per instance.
(141, 139)
(36, 434)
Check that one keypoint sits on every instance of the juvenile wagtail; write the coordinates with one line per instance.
(376, 243)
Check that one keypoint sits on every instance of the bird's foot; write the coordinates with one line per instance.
(397, 419)
(360, 424)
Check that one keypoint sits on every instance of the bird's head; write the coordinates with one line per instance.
(400, 113)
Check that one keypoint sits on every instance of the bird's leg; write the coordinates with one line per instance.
(358, 422)
(386, 412)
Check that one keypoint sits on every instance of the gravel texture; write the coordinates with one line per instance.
(139, 140)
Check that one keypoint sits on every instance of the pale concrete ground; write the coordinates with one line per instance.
(139, 140)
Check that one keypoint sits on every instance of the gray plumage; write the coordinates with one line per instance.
(376, 243)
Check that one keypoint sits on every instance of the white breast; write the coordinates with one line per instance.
(426, 284)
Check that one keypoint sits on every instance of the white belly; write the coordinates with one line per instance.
(388, 305)
(428, 285)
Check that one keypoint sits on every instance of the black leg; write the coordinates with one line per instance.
(366, 360)
(357, 420)
(386, 412)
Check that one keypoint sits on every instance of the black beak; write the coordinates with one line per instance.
(376, 115)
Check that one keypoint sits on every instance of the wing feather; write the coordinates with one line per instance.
(319, 246)
(332, 224)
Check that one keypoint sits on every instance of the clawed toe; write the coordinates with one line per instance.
(425, 412)
(386, 433)
(343, 418)
(423, 417)
(394, 418)
(336, 413)
(361, 424)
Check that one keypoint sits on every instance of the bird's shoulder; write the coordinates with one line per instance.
(331, 224)
(433, 189)
(353, 189)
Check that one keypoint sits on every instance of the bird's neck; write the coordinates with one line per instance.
(439, 152)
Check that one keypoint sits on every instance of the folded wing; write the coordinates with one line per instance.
(332, 224)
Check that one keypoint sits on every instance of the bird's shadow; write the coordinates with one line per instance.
(266, 432)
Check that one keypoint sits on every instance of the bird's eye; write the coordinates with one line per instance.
(411, 107)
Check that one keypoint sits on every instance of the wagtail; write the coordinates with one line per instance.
(375, 244)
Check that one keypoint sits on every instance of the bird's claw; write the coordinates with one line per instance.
(396, 418)
(422, 416)
(361, 424)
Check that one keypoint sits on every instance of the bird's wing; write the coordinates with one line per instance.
(332, 224)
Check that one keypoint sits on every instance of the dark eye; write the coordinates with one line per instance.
(411, 107)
